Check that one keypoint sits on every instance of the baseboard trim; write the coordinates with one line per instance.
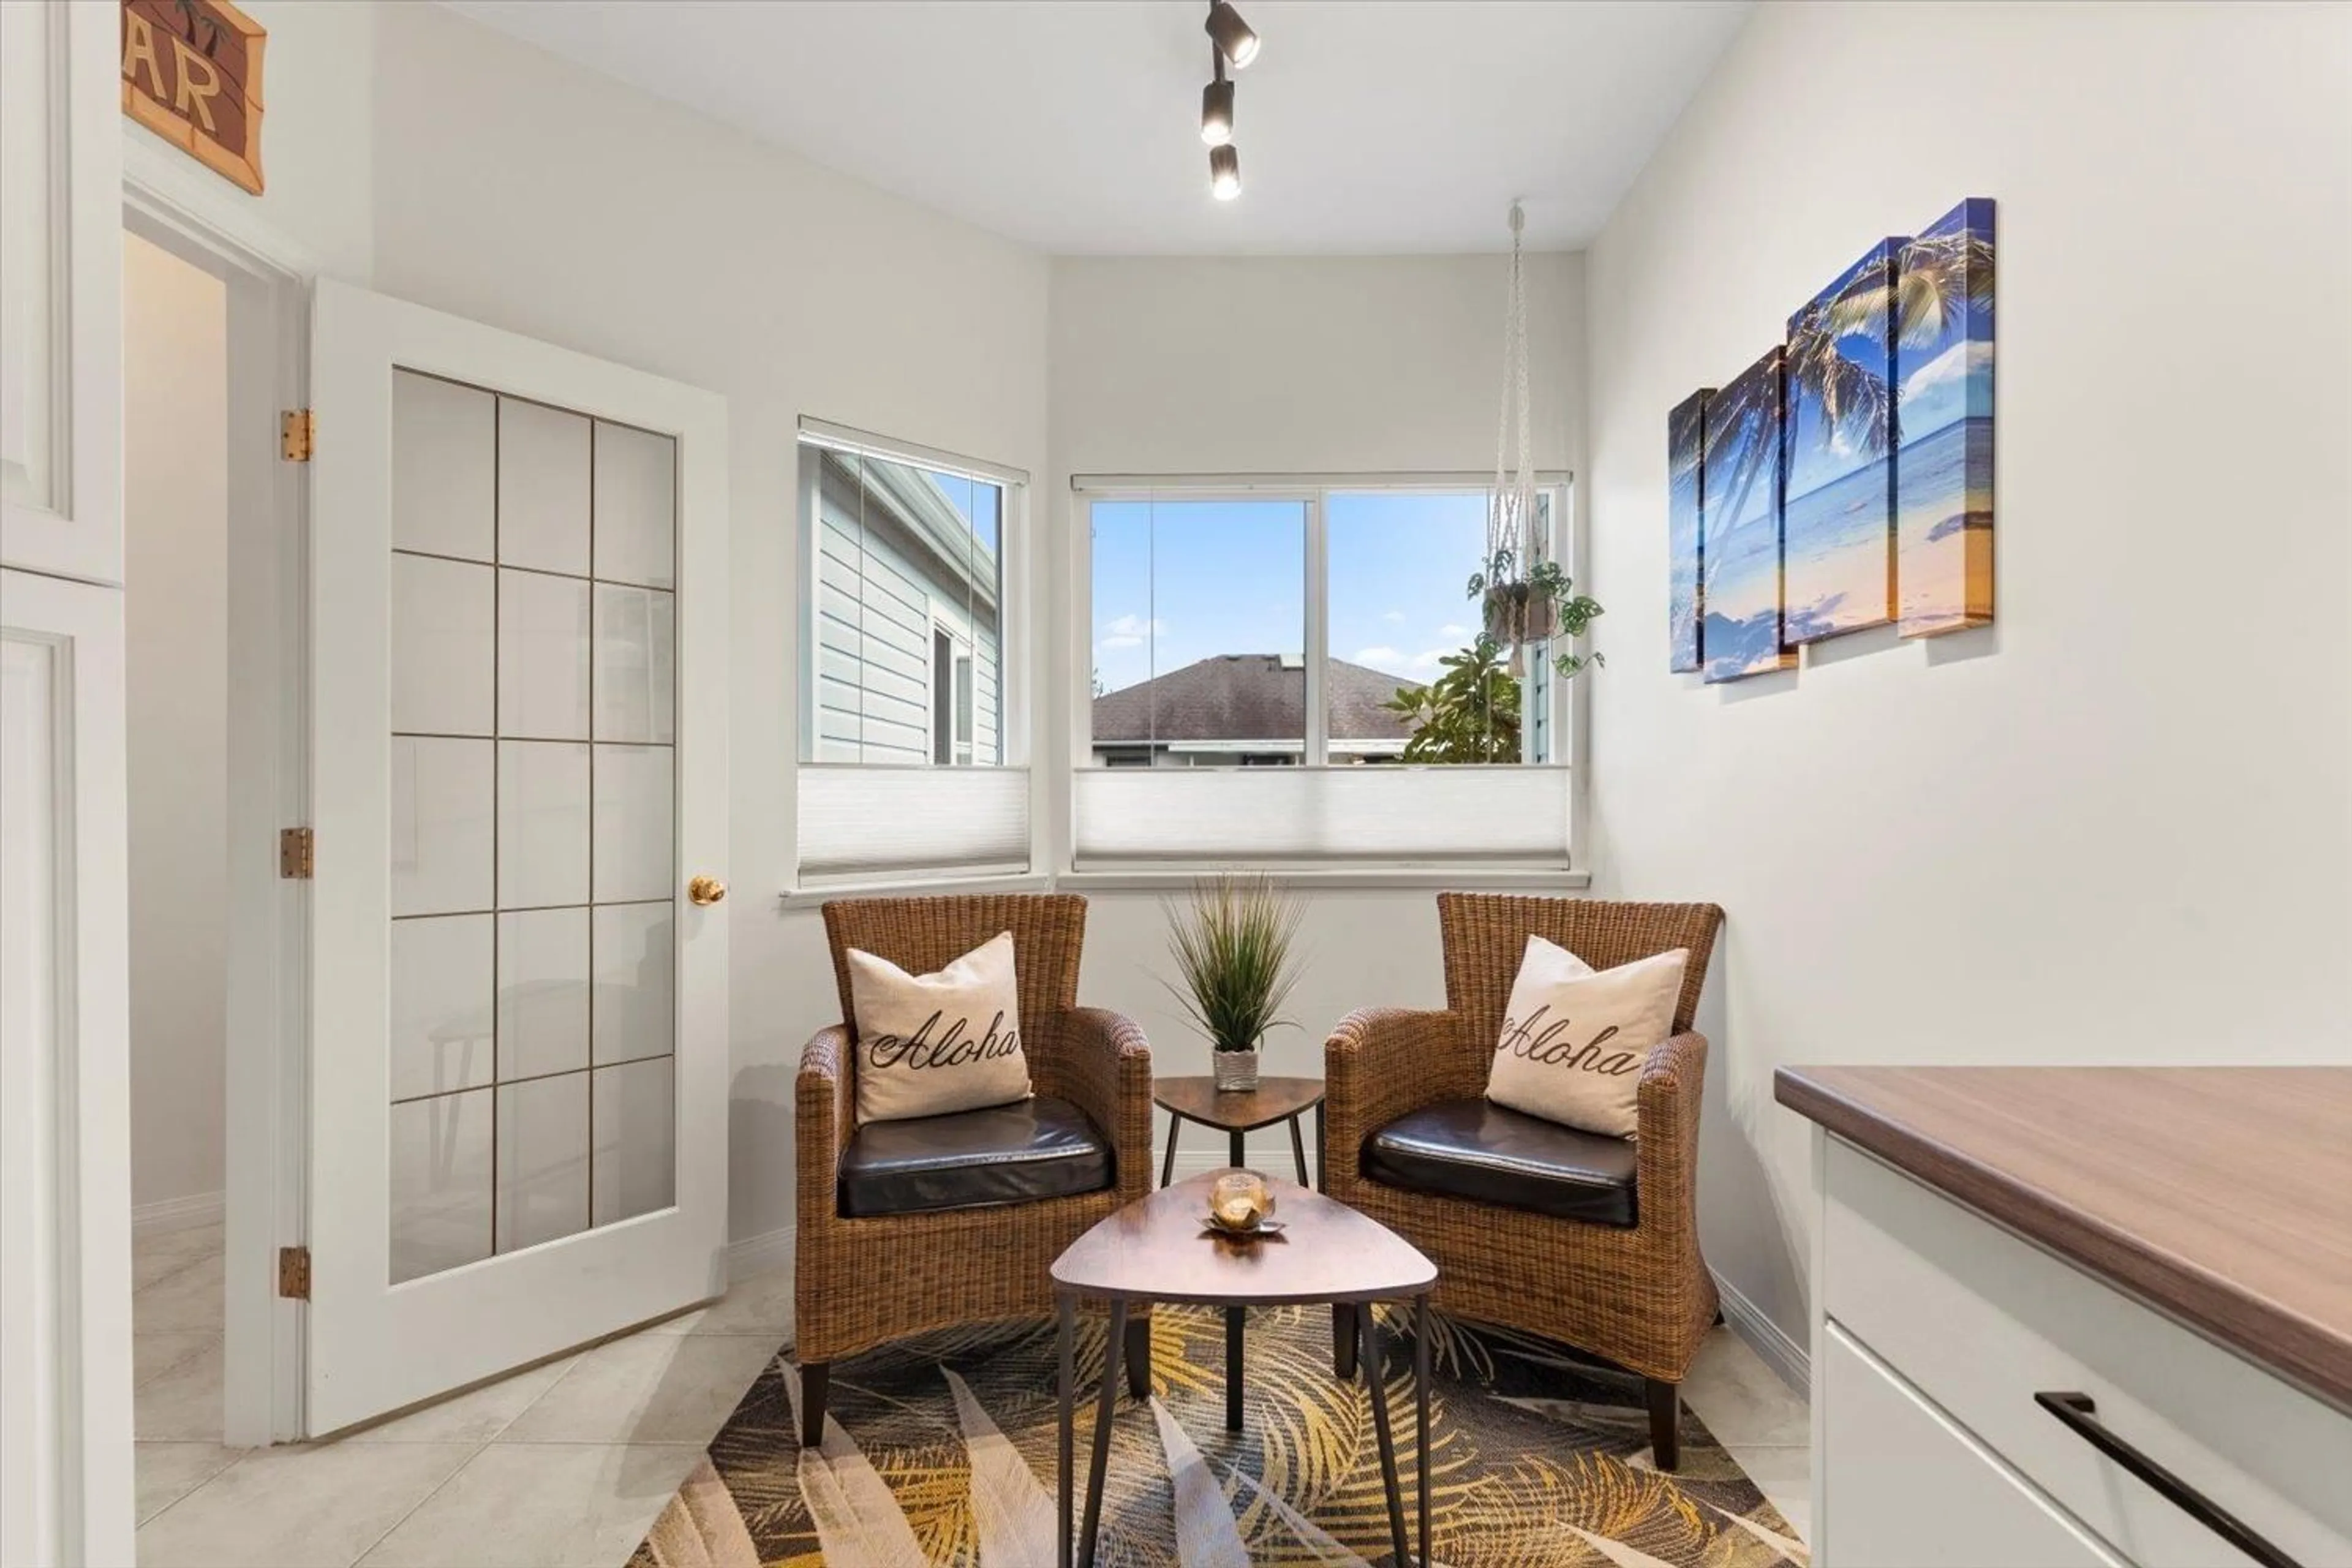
(1772, 1344)
(1271, 1160)
(179, 1214)
(762, 1253)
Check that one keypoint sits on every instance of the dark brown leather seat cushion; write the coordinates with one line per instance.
(1032, 1149)
(1476, 1150)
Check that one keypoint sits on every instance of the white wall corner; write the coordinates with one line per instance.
(1784, 1356)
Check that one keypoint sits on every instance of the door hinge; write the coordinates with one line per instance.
(296, 430)
(294, 1273)
(294, 847)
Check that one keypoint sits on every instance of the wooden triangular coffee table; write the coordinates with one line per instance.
(1160, 1248)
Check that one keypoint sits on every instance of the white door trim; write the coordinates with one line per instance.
(266, 1115)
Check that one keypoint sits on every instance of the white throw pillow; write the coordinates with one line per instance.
(930, 1044)
(1575, 1042)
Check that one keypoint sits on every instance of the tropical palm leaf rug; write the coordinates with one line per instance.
(941, 1450)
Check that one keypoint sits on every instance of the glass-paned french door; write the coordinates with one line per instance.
(533, 770)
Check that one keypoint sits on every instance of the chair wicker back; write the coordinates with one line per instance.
(1486, 935)
(923, 936)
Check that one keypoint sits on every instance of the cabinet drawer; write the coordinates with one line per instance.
(1905, 1488)
(1979, 1321)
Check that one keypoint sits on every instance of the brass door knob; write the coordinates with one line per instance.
(706, 890)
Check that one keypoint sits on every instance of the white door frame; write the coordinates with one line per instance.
(268, 1082)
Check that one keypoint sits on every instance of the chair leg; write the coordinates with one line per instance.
(1665, 1424)
(813, 1378)
(1343, 1342)
(1139, 1357)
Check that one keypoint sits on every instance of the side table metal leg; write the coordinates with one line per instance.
(1298, 1151)
(1102, 1432)
(1168, 1165)
(1235, 1318)
(1421, 1412)
(1367, 1350)
(1066, 1347)
(1322, 1153)
(1233, 1147)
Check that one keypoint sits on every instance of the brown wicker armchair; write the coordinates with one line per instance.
(1639, 1295)
(864, 1281)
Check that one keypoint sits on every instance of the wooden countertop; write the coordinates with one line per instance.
(2221, 1195)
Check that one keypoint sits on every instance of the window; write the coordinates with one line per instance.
(905, 648)
(1324, 627)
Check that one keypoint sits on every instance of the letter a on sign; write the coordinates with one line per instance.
(192, 74)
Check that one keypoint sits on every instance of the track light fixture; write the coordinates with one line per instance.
(1225, 172)
(1217, 109)
(1234, 39)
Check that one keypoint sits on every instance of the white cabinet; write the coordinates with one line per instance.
(61, 290)
(65, 1157)
(1938, 1329)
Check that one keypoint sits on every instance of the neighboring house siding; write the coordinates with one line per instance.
(875, 612)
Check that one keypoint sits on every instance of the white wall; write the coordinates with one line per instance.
(175, 505)
(1175, 366)
(2113, 826)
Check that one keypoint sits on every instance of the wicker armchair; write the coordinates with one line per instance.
(1639, 1296)
(864, 1281)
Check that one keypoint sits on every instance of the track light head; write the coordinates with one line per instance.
(1217, 113)
(1225, 172)
(1231, 34)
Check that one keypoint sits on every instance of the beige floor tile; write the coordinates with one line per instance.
(1784, 1474)
(759, 1306)
(182, 1403)
(299, 1506)
(475, 1417)
(1741, 1399)
(540, 1505)
(169, 1471)
(158, 1253)
(151, 1355)
(187, 1300)
(649, 1388)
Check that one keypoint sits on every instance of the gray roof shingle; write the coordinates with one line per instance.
(1248, 697)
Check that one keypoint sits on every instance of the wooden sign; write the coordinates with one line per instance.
(192, 74)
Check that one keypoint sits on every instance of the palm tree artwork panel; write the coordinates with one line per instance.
(1943, 368)
(1838, 525)
(1740, 527)
(1685, 495)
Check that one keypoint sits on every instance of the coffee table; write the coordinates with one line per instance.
(1234, 1112)
(1156, 1249)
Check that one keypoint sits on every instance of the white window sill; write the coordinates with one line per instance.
(918, 887)
(1468, 878)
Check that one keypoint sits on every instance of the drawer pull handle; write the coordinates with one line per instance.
(2080, 1415)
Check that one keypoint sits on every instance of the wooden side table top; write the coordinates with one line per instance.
(1157, 1249)
(1237, 1110)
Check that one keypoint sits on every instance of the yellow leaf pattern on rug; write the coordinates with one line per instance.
(1206, 1536)
(1013, 1514)
(857, 1520)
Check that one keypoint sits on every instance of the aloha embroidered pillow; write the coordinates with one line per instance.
(1575, 1042)
(930, 1044)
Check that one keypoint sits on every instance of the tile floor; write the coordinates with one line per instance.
(565, 1465)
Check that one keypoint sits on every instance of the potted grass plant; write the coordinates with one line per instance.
(1232, 941)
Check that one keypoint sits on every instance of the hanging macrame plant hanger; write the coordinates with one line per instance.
(1517, 614)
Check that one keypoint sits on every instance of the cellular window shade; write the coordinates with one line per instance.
(1336, 815)
(859, 821)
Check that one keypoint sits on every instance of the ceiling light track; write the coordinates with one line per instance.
(1232, 43)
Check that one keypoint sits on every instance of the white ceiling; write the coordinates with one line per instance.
(1366, 127)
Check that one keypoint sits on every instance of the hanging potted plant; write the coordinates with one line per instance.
(1233, 946)
(1525, 598)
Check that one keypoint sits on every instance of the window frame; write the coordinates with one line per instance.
(1014, 645)
(1566, 717)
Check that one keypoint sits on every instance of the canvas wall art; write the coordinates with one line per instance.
(1685, 493)
(1838, 523)
(1943, 466)
(1739, 537)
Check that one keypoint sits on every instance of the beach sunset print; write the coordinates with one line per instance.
(1739, 546)
(1838, 525)
(1943, 468)
(1685, 428)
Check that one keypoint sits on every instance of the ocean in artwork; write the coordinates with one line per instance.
(1943, 464)
(1740, 598)
(1686, 425)
(1838, 525)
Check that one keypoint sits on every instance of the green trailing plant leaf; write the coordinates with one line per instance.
(1231, 942)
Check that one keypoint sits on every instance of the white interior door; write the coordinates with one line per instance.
(519, 1047)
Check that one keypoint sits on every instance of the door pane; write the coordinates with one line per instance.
(533, 997)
